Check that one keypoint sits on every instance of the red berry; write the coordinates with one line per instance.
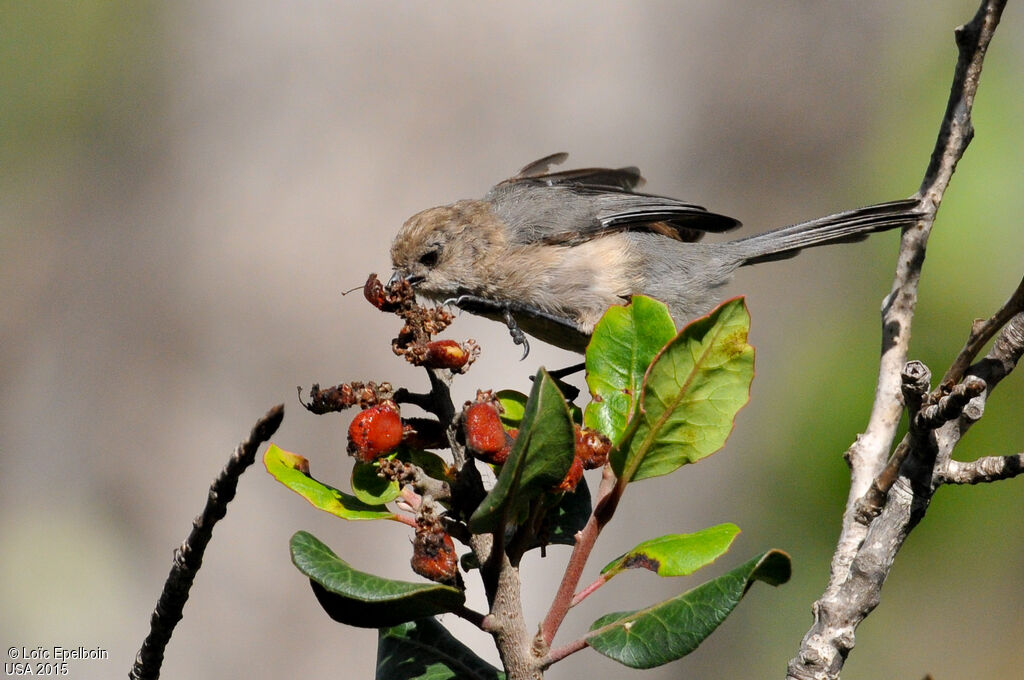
(501, 456)
(592, 447)
(485, 437)
(375, 431)
(572, 477)
(433, 555)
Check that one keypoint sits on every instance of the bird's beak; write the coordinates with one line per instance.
(397, 276)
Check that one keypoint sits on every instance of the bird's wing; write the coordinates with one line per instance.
(573, 206)
(605, 179)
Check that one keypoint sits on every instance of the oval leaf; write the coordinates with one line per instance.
(359, 599)
(672, 629)
(433, 465)
(292, 470)
(625, 341)
(690, 395)
(514, 404)
(425, 650)
(370, 487)
(569, 516)
(677, 554)
(540, 457)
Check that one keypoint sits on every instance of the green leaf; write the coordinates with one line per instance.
(425, 650)
(514, 404)
(690, 395)
(562, 521)
(292, 470)
(370, 487)
(672, 629)
(568, 517)
(540, 457)
(364, 600)
(677, 554)
(432, 464)
(625, 341)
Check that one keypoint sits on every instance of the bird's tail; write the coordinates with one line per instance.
(851, 225)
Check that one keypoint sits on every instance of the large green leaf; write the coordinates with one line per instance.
(690, 395)
(625, 341)
(292, 470)
(672, 629)
(364, 600)
(540, 457)
(425, 650)
(677, 554)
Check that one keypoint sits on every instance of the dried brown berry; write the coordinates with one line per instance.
(392, 297)
(346, 395)
(433, 555)
(592, 447)
(485, 437)
(449, 354)
(572, 477)
(375, 431)
(374, 292)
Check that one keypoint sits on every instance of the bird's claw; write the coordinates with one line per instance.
(518, 336)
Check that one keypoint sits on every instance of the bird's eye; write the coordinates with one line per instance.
(429, 258)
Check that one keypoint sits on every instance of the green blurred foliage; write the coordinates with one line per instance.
(77, 84)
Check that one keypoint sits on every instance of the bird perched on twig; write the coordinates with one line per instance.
(549, 252)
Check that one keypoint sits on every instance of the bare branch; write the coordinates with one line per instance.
(1006, 351)
(950, 406)
(982, 332)
(189, 557)
(865, 552)
(988, 469)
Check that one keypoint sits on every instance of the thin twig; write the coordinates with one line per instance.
(588, 591)
(987, 469)
(560, 653)
(189, 557)
(981, 332)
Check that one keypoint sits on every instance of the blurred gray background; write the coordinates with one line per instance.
(185, 189)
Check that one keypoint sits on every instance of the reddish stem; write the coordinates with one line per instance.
(583, 594)
(607, 499)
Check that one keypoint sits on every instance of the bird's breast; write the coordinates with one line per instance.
(578, 282)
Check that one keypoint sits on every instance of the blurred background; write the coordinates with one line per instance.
(186, 188)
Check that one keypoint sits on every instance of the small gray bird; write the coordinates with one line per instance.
(549, 252)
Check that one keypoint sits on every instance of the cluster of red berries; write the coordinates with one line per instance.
(378, 429)
(414, 341)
